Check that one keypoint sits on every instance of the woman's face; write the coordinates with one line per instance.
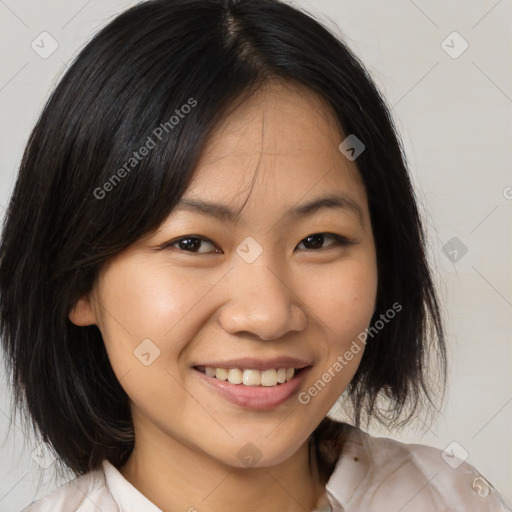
(272, 289)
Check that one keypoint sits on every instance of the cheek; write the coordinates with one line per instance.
(146, 308)
(149, 314)
(343, 297)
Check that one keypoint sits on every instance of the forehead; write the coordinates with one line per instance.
(280, 121)
(288, 136)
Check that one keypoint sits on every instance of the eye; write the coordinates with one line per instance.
(190, 243)
(316, 240)
(193, 243)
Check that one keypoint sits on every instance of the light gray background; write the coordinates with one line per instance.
(454, 117)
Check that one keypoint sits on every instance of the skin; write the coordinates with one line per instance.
(297, 299)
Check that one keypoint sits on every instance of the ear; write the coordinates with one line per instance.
(82, 313)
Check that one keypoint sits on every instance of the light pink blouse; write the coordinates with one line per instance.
(372, 475)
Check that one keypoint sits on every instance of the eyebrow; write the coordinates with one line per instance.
(225, 213)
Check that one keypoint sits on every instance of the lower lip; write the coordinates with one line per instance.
(256, 397)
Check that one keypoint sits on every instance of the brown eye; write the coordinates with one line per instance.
(316, 240)
(192, 244)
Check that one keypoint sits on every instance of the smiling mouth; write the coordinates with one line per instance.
(251, 377)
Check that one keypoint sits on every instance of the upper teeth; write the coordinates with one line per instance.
(251, 377)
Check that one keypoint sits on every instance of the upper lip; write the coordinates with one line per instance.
(251, 363)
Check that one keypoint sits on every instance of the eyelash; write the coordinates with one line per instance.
(338, 241)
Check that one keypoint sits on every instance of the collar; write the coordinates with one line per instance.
(353, 468)
(127, 497)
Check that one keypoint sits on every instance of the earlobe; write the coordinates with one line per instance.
(82, 313)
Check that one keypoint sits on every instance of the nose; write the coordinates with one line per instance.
(262, 302)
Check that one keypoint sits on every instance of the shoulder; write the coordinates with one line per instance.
(86, 493)
(376, 473)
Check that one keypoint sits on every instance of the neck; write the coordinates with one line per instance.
(175, 476)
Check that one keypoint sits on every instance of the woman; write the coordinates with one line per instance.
(220, 238)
